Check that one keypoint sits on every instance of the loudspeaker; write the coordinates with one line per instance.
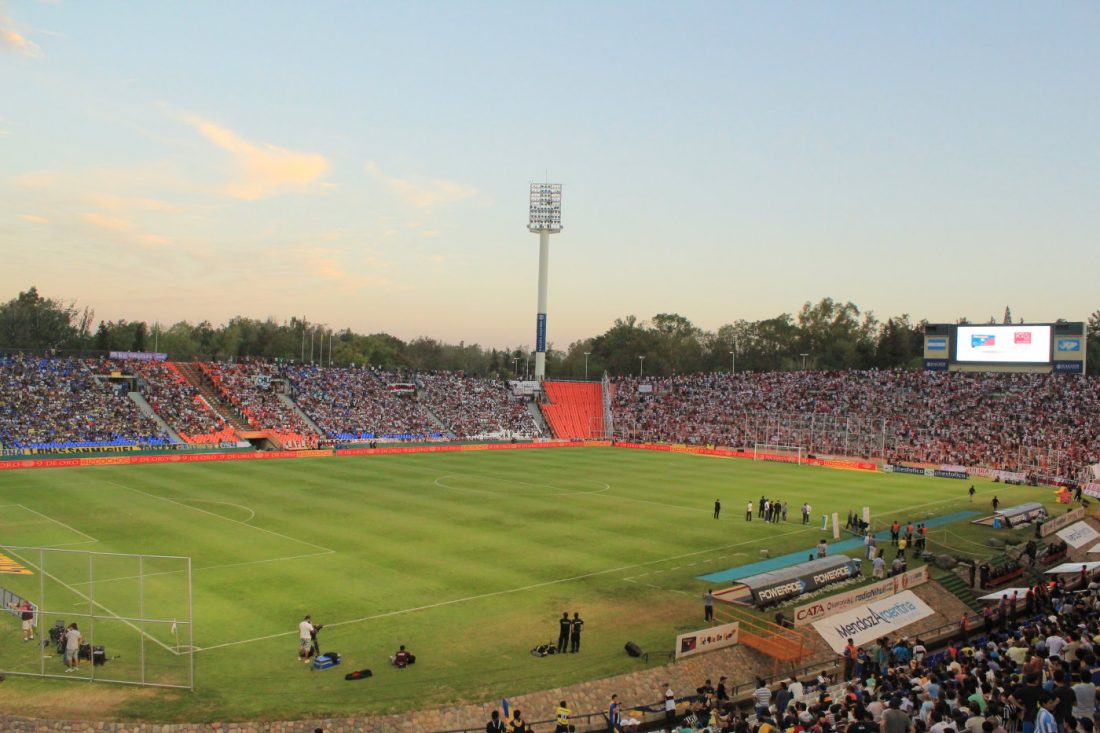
(633, 649)
(99, 656)
(937, 329)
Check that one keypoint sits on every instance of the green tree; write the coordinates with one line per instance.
(1092, 343)
(30, 321)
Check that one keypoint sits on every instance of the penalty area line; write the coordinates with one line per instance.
(492, 594)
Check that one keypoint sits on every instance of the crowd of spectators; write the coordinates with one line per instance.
(253, 388)
(1043, 424)
(984, 681)
(59, 403)
(475, 408)
(360, 403)
(172, 397)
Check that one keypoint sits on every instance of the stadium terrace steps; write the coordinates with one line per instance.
(190, 371)
(958, 588)
(139, 400)
(292, 405)
(574, 409)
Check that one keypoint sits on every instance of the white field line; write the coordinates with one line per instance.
(62, 583)
(493, 594)
(55, 521)
(219, 516)
(287, 558)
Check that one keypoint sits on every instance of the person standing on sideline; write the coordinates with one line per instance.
(26, 615)
(971, 492)
(822, 548)
(670, 705)
(708, 606)
(717, 508)
(564, 627)
(760, 508)
(996, 503)
(784, 511)
(613, 716)
(73, 640)
(748, 512)
(305, 639)
(575, 633)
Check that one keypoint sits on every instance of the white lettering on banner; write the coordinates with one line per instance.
(793, 588)
(804, 615)
(872, 621)
(707, 640)
(1078, 535)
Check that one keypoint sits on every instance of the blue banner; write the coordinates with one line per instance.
(1070, 367)
(1069, 344)
(936, 344)
(935, 365)
(540, 333)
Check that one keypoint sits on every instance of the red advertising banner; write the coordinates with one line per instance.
(728, 453)
(125, 460)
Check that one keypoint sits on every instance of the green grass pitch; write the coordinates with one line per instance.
(468, 558)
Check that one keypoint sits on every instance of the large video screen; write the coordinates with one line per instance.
(1003, 344)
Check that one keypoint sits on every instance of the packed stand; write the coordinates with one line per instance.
(360, 403)
(1036, 423)
(1036, 674)
(173, 398)
(253, 389)
(473, 408)
(58, 403)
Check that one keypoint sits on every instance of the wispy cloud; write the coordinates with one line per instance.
(424, 193)
(329, 264)
(34, 219)
(12, 40)
(125, 229)
(263, 169)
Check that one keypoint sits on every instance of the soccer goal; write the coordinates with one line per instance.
(133, 614)
(778, 452)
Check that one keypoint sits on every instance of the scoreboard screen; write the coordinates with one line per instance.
(1003, 344)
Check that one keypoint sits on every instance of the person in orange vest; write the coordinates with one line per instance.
(850, 655)
(895, 530)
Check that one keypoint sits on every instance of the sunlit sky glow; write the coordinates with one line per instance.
(367, 164)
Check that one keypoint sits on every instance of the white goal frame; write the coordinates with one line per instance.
(778, 452)
(50, 588)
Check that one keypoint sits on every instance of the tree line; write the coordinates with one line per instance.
(825, 335)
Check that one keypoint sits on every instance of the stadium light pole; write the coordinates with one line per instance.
(545, 219)
(733, 362)
(641, 364)
(804, 361)
(586, 365)
(515, 366)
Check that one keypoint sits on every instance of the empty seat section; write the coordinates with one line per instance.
(574, 409)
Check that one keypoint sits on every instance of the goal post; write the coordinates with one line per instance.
(134, 613)
(779, 452)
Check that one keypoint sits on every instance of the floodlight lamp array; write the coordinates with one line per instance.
(545, 212)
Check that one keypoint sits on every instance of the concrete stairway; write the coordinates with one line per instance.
(147, 409)
(292, 405)
(194, 376)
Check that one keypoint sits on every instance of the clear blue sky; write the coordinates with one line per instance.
(367, 164)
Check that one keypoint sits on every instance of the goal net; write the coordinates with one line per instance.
(133, 612)
(777, 452)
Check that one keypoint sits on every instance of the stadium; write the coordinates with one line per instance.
(186, 514)
(305, 429)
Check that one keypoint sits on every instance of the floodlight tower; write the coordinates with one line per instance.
(545, 219)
